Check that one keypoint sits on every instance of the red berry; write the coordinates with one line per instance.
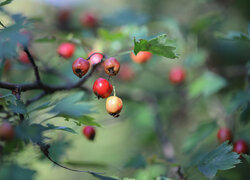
(126, 72)
(95, 58)
(141, 57)
(66, 50)
(89, 132)
(240, 147)
(23, 57)
(224, 134)
(88, 20)
(114, 105)
(6, 131)
(111, 66)
(80, 67)
(102, 88)
(63, 16)
(177, 75)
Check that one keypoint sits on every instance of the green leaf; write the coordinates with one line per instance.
(5, 2)
(234, 35)
(11, 36)
(221, 158)
(86, 120)
(207, 84)
(245, 115)
(201, 133)
(34, 132)
(46, 39)
(159, 45)
(67, 129)
(16, 106)
(247, 157)
(70, 107)
(15, 172)
(240, 100)
(206, 21)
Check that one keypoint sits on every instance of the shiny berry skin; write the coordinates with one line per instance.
(114, 106)
(23, 57)
(240, 147)
(66, 50)
(111, 66)
(126, 72)
(141, 57)
(102, 88)
(177, 75)
(95, 58)
(224, 134)
(6, 131)
(88, 20)
(80, 67)
(89, 132)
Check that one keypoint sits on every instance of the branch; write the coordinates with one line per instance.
(47, 88)
(45, 149)
(36, 71)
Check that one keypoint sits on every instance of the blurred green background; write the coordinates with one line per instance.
(213, 43)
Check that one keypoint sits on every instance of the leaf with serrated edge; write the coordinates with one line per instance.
(159, 45)
(221, 158)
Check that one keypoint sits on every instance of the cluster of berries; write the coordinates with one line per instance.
(225, 134)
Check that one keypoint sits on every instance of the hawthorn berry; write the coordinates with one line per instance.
(63, 16)
(80, 67)
(114, 106)
(224, 134)
(6, 131)
(23, 57)
(95, 58)
(240, 147)
(89, 132)
(111, 66)
(88, 20)
(66, 50)
(102, 88)
(177, 75)
(141, 57)
(126, 72)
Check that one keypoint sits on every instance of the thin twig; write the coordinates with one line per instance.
(36, 71)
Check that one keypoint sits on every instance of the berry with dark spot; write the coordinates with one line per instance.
(114, 106)
(111, 66)
(89, 132)
(80, 67)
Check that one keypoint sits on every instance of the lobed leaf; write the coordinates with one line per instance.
(221, 158)
(159, 45)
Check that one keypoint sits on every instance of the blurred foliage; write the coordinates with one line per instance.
(208, 38)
